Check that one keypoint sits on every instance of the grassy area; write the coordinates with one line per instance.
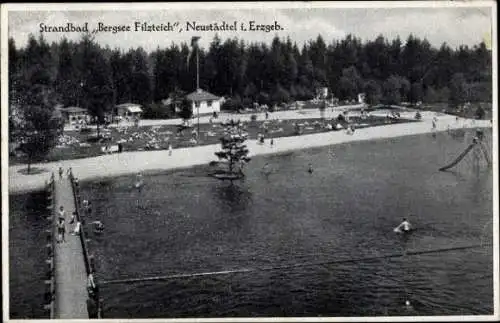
(80, 145)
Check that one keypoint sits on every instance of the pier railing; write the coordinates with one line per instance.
(51, 235)
(89, 265)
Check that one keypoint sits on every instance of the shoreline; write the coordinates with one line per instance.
(108, 166)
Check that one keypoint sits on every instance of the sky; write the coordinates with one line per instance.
(301, 22)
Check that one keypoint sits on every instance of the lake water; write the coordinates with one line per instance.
(185, 222)
(27, 255)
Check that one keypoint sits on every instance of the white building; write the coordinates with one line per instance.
(203, 102)
(128, 110)
(322, 93)
(361, 98)
(74, 115)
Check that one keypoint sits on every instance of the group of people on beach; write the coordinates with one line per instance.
(261, 140)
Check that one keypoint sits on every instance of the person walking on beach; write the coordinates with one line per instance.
(69, 172)
(170, 149)
(272, 142)
(61, 171)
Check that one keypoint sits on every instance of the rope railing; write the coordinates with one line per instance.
(291, 266)
(89, 266)
(79, 219)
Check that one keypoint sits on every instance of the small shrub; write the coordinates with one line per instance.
(85, 130)
(246, 103)
(418, 115)
(480, 113)
(232, 104)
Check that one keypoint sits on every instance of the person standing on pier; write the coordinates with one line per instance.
(61, 230)
(78, 227)
(62, 213)
(73, 217)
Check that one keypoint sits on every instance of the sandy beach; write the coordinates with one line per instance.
(140, 161)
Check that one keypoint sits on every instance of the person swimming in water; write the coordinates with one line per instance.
(139, 181)
(98, 226)
(404, 227)
(265, 170)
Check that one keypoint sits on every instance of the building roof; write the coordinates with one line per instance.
(128, 104)
(131, 107)
(74, 110)
(134, 108)
(200, 95)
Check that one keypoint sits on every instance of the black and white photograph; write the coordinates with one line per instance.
(250, 161)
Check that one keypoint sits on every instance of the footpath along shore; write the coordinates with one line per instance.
(140, 161)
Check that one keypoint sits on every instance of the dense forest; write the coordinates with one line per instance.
(86, 74)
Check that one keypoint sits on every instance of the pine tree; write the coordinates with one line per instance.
(97, 77)
(186, 112)
(67, 81)
(233, 150)
(97, 82)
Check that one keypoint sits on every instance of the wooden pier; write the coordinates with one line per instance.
(68, 262)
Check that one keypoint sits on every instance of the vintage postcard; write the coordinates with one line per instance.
(250, 161)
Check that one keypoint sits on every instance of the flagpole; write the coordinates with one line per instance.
(197, 87)
(197, 69)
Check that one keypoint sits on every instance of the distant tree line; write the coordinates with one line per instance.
(95, 77)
